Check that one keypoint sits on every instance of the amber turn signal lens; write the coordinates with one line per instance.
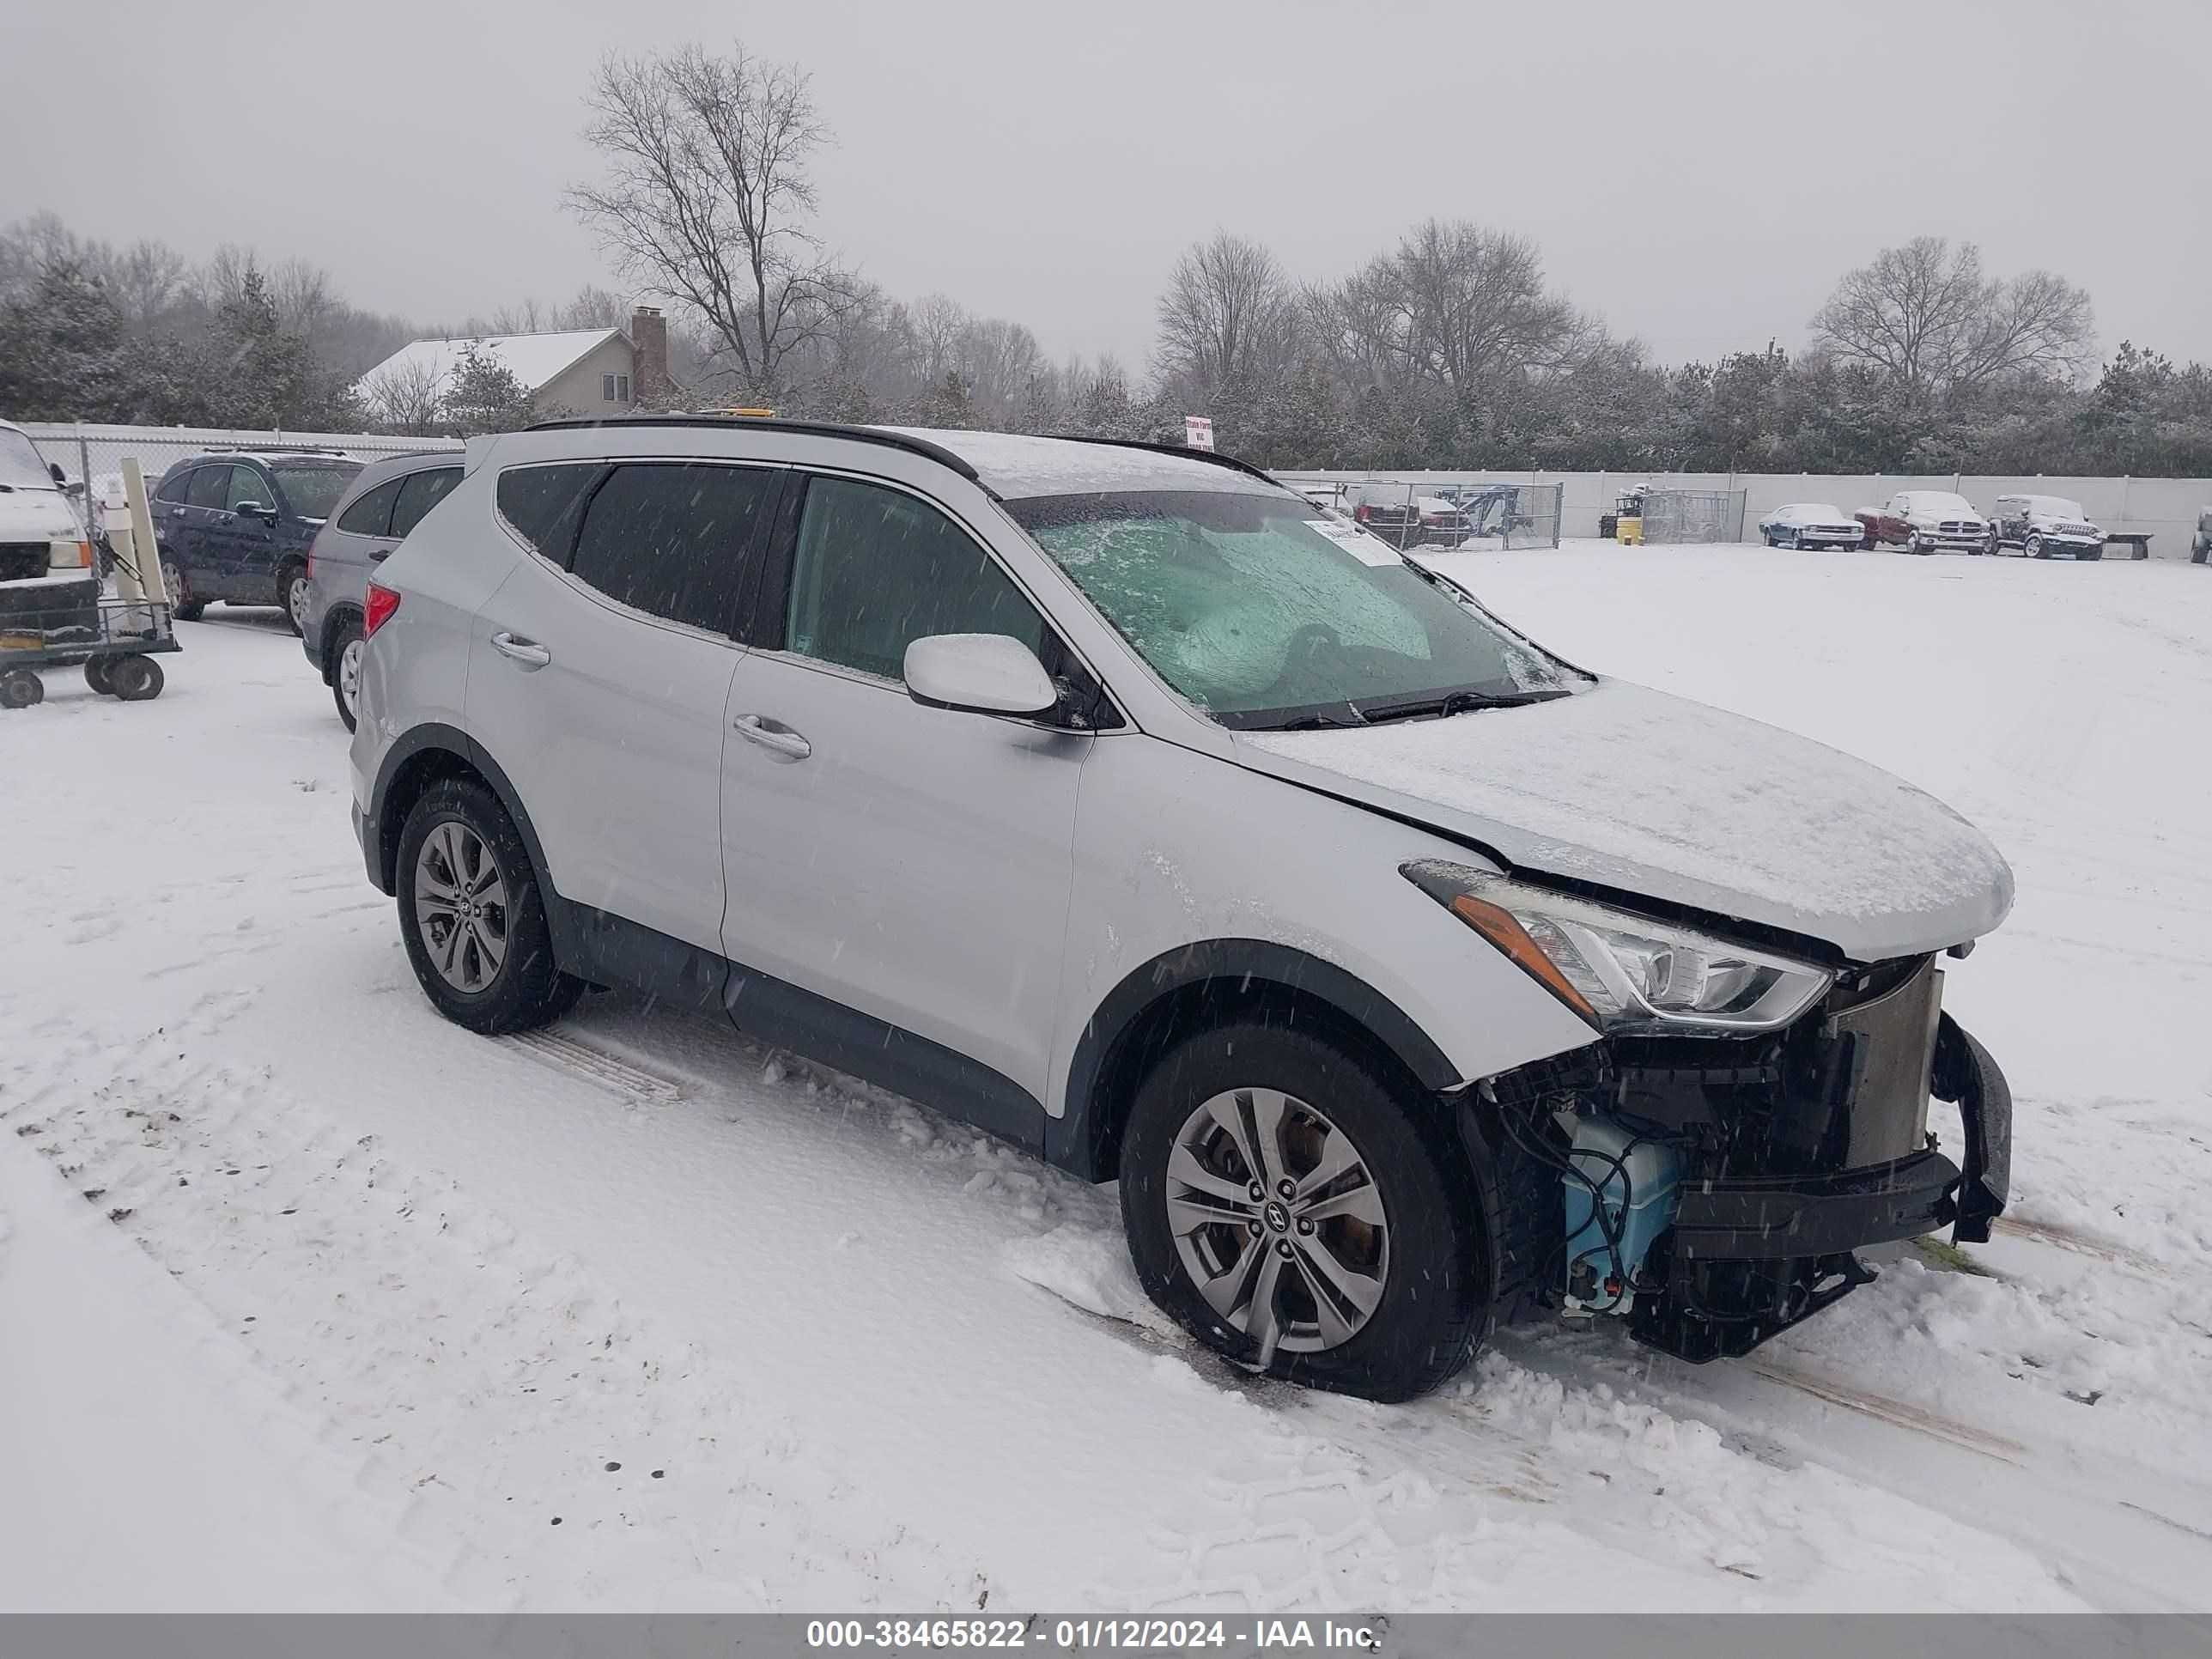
(1498, 926)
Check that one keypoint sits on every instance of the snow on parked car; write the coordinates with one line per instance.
(1812, 524)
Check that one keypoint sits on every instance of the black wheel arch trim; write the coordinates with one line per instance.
(1081, 1141)
(381, 849)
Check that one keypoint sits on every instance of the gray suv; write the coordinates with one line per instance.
(1406, 977)
(384, 502)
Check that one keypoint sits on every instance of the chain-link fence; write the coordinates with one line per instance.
(1692, 515)
(1411, 514)
(95, 454)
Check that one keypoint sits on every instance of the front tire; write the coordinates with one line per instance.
(134, 678)
(473, 916)
(1365, 1264)
(2035, 549)
(347, 648)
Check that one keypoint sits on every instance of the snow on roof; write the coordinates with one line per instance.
(535, 360)
(1017, 466)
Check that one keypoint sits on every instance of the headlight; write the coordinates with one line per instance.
(1623, 972)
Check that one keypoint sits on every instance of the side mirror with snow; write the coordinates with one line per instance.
(979, 674)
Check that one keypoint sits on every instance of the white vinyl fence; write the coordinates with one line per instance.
(96, 453)
(2165, 509)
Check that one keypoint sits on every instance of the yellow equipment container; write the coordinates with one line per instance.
(1629, 531)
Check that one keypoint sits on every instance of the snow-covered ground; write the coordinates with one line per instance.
(308, 1298)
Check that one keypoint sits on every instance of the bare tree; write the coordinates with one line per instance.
(1455, 305)
(1925, 315)
(408, 396)
(708, 197)
(1228, 315)
(935, 322)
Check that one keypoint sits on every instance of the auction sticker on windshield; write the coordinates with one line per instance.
(1368, 549)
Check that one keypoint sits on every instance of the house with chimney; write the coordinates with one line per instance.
(590, 370)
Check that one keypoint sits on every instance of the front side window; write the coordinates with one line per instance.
(419, 492)
(875, 569)
(372, 514)
(671, 538)
(1261, 615)
(313, 491)
(210, 487)
(248, 488)
(545, 504)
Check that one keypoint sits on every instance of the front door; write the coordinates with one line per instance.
(238, 541)
(906, 864)
(599, 673)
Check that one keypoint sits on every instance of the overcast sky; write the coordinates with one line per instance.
(1698, 172)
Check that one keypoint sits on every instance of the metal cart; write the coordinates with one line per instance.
(116, 638)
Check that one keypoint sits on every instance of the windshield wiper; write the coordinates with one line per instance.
(1457, 702)
(1311, 723)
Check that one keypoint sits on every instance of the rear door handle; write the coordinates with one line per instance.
(776, 739)
(528, 653)
(380, 555)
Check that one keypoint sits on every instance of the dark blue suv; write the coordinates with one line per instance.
(235, 525)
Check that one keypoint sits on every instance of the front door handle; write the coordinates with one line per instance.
(776, 739)
(528, 653)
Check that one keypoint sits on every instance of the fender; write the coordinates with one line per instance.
(1080, 1139)
(382, 852)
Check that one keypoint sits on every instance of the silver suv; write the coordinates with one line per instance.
(385, 501)
(1407, 977)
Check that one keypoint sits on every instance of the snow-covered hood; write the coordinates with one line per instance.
(37, 515)
(1651, 794)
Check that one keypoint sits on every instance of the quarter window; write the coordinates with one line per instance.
(875, 569)
(372, 514)
(419, 492)
(671, 538)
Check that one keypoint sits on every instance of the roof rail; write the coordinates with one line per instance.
(1188, 453)
(274, 449)
(866, 435)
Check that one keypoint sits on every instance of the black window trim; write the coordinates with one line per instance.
(754, 555)
(1091, 708)
(403, 479)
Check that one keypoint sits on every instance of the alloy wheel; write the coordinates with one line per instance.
(296, 594)
(460, 905)
(350, 673)
(1278, 1220)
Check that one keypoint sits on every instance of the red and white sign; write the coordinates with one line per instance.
(1198, 431)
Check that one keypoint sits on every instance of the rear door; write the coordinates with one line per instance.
(599, 672)
(359, 539)
(912, 864)
(204, 495)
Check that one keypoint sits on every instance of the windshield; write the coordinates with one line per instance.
(315, 491)
(1934, 502)
(2056, 506)
(1263, 615)
(20, 466)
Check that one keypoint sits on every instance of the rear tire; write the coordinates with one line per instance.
(346, 648)
(95, 674)
(21, 689)
(293, 593)
(1426, 1276)
(501, 913)
(182, 605)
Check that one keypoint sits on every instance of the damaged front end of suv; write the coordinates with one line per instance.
(1746, 1122)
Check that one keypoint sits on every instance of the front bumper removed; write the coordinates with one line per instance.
(1747, 1258)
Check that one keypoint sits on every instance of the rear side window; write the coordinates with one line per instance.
(671, 538)
(372, 514)
(419, 492)
(173, 487)
(210, 487)
(546, 503)
(875, 569)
